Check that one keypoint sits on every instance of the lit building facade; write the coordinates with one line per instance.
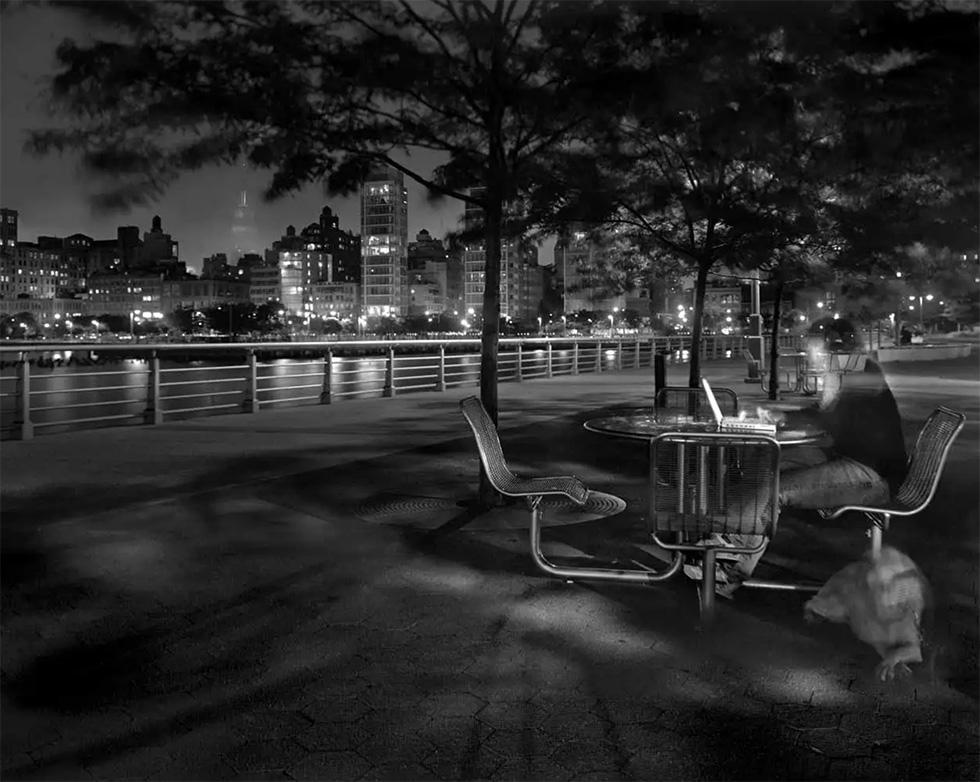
(344, 247)
(28, 271)
(519, 273)
(341, 300)
(384, 243)
(576, 259)
(302, 261)
(265, 284)
(8, 228)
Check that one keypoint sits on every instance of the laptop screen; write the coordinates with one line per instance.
(715, 409)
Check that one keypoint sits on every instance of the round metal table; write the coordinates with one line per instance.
(645, 424)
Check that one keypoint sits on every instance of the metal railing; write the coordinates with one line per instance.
(250, 377)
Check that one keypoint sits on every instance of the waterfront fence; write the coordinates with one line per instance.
(56, 387)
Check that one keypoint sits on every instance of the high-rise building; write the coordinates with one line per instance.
(215, 267)
(265, 284)
(384, 243)
(302, 261)
(128, 239)
(577, 257)
(520, 275)
(425, 248)
(8, 228)
(428, 264)
(160, 252)
(344, 247)
(244, 234)
(27, 270)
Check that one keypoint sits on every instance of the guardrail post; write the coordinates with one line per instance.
(598, 357)
(24, 422)
(619, 354)
(549, 370)
(389, 389)
(636, 356)
(154, 409)
(326, 394)
(575, 357)
(441, 379)
(520, 361)
(251, 402)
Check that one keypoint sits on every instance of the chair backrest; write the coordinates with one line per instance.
(928, 457)
(707, 482)
(488, 444)
(749, 357)
(693, 401)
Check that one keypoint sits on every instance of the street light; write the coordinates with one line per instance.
(611, 321)
(564, 326)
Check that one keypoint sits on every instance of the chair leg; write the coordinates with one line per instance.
(874, 532)
(640, 576)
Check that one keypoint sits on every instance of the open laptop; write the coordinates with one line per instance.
(727, 423)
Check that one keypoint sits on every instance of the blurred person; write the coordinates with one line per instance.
(863, 464)
(883, 599)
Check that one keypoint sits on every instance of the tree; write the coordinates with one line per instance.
(714, 123)
(327, 91)
(739, 131)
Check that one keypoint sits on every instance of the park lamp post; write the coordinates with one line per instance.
(927, 297)
(564, 325)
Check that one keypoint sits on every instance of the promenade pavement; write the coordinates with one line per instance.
(293, 595)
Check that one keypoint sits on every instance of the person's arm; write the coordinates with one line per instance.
(810, 415)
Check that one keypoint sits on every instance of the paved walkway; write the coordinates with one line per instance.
(282, 596)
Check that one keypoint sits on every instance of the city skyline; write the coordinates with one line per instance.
(52, 196)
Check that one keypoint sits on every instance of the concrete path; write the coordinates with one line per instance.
(284, 596)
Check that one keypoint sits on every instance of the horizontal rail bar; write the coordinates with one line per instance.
(76, 405)
(196, 396)
(288, 399)
(46, 391)
(217, 368)
(284, 377)
(291, 388)
(170, 383)
(96, 419)
(200, 409)
(98, 374)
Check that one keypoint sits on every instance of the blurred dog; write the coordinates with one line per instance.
(883, 599)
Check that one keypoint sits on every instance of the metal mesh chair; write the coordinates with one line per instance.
(693, 401)
(535, 489)
(709, 483)
(925, 468)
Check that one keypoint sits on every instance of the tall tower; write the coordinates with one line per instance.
(244, 234)
(384, 243)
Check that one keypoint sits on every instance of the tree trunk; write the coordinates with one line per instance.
(694, 379)
(490, 336)
(774, 342)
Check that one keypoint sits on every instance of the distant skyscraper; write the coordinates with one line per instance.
(518, 259)
(244, 234)
(384, 243)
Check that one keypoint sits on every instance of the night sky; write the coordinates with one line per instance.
(52, 194)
